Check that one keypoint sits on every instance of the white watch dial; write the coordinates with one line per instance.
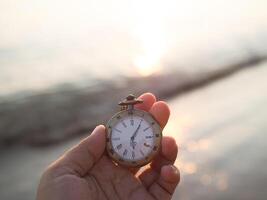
(132, 138)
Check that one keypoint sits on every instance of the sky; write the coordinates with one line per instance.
(44, 43)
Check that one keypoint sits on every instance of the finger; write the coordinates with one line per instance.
(161, 112)
(148, 100)
(134, 170)
(167, 156)
(164, 186)
(81, 158)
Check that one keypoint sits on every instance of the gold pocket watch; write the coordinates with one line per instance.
(133, 136)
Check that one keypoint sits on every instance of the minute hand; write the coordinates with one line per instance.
(136, 131)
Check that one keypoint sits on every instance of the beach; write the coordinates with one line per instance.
(221, 132)
(65, 65)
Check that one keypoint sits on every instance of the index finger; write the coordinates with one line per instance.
(148, 100)
(158, 109)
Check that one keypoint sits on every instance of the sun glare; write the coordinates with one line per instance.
(146, 65)
(153, 47)
(148, 30)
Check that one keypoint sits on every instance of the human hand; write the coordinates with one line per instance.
(86, 172)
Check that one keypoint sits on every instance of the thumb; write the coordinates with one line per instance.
(82, 157)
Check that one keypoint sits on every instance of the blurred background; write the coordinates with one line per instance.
(60, 60)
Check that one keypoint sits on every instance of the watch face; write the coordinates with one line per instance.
(133, 137)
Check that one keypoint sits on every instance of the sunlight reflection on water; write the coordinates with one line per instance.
(220, 133)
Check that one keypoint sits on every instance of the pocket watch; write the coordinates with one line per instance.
(133, 135)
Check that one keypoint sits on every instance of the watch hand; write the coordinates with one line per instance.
(136, 131)
(132, 143)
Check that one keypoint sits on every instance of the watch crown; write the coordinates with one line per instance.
(130, 101)
(130, 97)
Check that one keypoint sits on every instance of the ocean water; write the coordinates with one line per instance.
(44, 44)
(220, 130)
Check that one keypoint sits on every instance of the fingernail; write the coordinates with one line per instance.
(97, 128)
(174, 169)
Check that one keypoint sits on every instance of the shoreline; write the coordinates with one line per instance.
(54, 116)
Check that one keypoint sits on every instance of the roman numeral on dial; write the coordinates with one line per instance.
(123, 123)
(133, 154)
(119, 146)
(125, 152)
